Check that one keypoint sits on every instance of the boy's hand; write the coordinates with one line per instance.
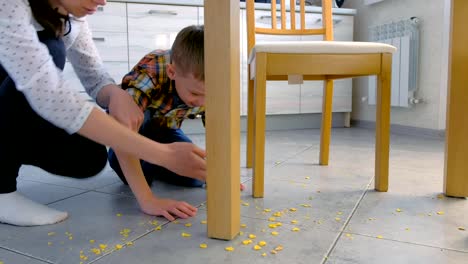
(168, 208)
(124, 109)
(187, 159)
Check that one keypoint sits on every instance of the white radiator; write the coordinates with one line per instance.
(404, 35)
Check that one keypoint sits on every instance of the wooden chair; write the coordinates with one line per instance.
(314, 60)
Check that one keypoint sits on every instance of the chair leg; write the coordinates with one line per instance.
(250, 121)
(382, 124)
(325, 130)
(259, 125)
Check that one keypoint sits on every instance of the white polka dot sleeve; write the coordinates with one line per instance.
(84, 57)
(28, 63)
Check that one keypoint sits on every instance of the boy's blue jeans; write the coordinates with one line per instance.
(154, 172)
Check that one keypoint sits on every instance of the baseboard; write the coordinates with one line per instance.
(275, 122)
(402, 130)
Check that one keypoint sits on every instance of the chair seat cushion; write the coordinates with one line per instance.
(321, 47)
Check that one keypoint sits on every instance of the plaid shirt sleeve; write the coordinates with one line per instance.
(141, 81)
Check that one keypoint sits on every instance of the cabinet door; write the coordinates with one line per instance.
(109, 18)
(281, 98)
(112, 46)
(152, 26)
(312, 94)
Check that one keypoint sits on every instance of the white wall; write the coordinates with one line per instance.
(433, 53)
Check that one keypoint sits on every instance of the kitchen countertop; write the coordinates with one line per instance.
(313, 9)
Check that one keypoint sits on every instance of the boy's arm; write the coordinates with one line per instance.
(149, 203)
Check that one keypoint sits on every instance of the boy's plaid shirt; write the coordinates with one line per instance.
(152, 90)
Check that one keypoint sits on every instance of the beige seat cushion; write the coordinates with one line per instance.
(321, 47)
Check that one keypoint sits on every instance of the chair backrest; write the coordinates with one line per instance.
(327, 23)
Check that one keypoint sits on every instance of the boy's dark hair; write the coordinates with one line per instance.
(48, 17)
(188, 52)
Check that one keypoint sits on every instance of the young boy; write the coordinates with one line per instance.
(168, 86)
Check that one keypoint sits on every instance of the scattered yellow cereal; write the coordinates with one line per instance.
(245, 204)
(440, 213)
(273, 251)
(96, 251)
(118, 247)
(51, 234)
(241, 233)
(70, 238)
(158, 228)
(272, 219)
(379, 237)
(279, 248)
(272, 225)
(229, 248)
(267, 210)
(257, 247)
(306, 205)
(339, 213)
(129, 243)
(398, 210)
(294, 222)
(103, 246)
(348, 235)
(263, 255)
(83, 257)
(293, 209)
(188, 224)
(247, 241)
(185, 234)
(307, 177)
(92, 241)
(279, 224)
(295, 229)
(263, 230)
(274, 233)
(262, 243)
(252, 236)
(119, 214)
(429, 214)
(461, 228)
(203, 245)
(243, 225)
(49, 243)
(337, 219)
(154, 222)
(203, 222)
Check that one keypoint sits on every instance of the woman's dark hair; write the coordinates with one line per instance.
(48, 17)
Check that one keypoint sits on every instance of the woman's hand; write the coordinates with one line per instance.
(168, 208)
(186, 159)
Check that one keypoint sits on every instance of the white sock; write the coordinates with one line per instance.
(15, 209)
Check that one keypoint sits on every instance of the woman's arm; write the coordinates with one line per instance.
(183, 158)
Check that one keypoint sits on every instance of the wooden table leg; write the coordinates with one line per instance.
(456, 141)
(222, 78)
(382, 124)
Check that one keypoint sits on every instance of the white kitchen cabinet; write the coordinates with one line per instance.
(152, 26)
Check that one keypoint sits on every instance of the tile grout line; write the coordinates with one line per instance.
(337, 238)
(412, 243)
(26, 255)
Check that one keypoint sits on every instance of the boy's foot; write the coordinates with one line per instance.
(15, 209)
